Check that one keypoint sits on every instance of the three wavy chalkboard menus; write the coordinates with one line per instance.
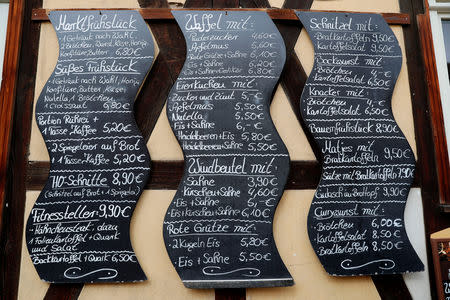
(78, 229)
(218, 228)
(355, 223)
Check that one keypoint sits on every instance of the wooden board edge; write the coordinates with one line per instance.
(41, 14)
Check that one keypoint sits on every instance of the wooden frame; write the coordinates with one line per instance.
(430, 33)
(304, 174)
(13, 81)
(423, 119)
(8, 90)
(436, 263)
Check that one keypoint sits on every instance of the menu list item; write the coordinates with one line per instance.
(218, 228)
(78, 229)
(356, 220)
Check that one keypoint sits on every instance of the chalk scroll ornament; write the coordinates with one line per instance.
(218, 228)
(78, 229)
(356, 220)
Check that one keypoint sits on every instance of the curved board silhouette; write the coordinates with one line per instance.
(356, 220)
(78, 229)
(218, 228)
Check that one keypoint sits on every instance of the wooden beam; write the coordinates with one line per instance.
(167, 175)
(274, 13)
(391, 287)
(65, 291)
(230, 294)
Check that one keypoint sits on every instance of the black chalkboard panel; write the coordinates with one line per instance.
(218, 228)
(78, 229)
(355, 223)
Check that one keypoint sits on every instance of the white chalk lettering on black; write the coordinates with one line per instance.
(78, 229)
(218, 228)
(355, 223)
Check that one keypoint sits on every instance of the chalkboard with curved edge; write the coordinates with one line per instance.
(218, 228)
(78, 229)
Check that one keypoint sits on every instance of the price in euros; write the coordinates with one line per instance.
(404, 173)
(262, 192)
(371, 110)
(385, 234)
(254, 242)
(126, 178)
(263, 35)
(243, 126)
(249, 106)
(246, 95)
(127, 158)
(382, 38)
(128, 51)
(259, 63)
(386, 128)
(385, 222)
(263, 45)
(113, 211)
(255, 136)
(396, 153)
(254, 256)
(123, 257)
(261, 71)
(380, 48)
(394, 191)
(386, 245)
(262, 147)
(116, 105)
(255, 212)
(248, 116)
(261, 181)
(263, 54)
(254, 203)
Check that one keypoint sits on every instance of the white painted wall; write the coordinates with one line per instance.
(418, 283)
(4, 7)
